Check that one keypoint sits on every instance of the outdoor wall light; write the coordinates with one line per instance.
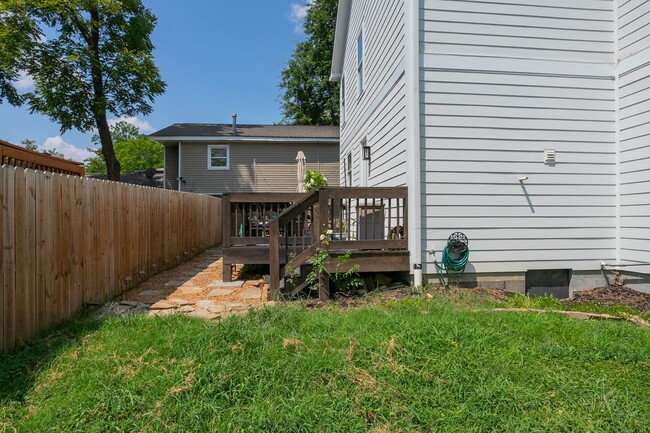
(366, 153)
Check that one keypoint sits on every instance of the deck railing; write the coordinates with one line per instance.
(286, 229)
(349, 218)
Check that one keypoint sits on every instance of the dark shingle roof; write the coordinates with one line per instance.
(261, 131)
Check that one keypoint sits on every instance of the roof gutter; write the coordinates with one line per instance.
(340, 38)
(221, 138)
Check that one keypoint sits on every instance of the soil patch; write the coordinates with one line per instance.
(490, 293)
(610, 295)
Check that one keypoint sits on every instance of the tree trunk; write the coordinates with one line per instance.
(112, 164)
(99, 106)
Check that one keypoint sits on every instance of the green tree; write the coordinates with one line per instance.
(309, 98)
(29, 145)
(139, 154)
(120, 131)
(134, 151)
(55, 153)
(99, 61)
(17, 31)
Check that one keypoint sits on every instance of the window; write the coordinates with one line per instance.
(349, 167)
(343, 100)
(360, 62)
(218, 157)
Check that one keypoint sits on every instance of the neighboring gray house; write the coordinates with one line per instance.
(216, 159)
(523, 123)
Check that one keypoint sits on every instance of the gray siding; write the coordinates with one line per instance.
(378, 115)
(634, 108)
(171, 167)
(633, 26)
(501, 82)
(275, 167)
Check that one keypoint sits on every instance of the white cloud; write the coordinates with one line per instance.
(57, 143)
(25, 81)
(142, 125)
(298, 14)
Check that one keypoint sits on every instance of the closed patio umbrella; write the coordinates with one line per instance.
(302, 169)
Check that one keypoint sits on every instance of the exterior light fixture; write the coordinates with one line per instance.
(366, 153)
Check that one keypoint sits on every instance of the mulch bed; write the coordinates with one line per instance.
(609, 295)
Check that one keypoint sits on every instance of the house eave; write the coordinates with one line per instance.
(201, 139)
(340, 39)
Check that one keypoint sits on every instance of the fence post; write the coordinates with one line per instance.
(225, 235)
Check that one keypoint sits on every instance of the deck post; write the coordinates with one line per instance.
(323, 287)
(274, 258)
(323, 221)
(323, 211)
(226, 233)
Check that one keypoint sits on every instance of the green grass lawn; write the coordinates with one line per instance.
(417, 365)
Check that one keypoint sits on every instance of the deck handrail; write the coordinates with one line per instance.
(298, 208)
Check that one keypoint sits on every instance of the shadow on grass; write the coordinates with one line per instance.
(19, 369)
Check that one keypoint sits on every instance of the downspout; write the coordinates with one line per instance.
(254, 175)
(165, 168)
(413, 148)
(180, 174)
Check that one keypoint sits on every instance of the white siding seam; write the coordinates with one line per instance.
(617, 141)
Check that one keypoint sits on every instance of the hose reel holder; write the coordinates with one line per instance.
(455, 256)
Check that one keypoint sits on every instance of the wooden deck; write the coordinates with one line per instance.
(277, 229)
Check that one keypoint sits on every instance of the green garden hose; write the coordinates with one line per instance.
(454, 267)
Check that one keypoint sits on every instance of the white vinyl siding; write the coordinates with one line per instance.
(360, 62)
(379, 115)
(633, 26)
(579, 30)
(342, 97)
(502, 81)
(634, 106)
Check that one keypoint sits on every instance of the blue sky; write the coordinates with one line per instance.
(217, 57)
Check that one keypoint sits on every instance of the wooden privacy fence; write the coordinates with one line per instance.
(68, 241)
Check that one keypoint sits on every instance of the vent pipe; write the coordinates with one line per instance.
(234, 123)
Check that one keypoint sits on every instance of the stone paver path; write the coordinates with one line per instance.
(195, 288)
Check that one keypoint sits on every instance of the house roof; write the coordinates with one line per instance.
(198, 131)
(340, 39)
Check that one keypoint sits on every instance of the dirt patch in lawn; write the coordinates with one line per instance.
(610, 295)
(488, 293)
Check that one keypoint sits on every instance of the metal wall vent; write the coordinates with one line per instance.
(549, 156)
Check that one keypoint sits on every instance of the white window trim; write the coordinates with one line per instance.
(361, 71)
(218, 146)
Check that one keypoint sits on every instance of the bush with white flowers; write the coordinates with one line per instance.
(314, 179)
